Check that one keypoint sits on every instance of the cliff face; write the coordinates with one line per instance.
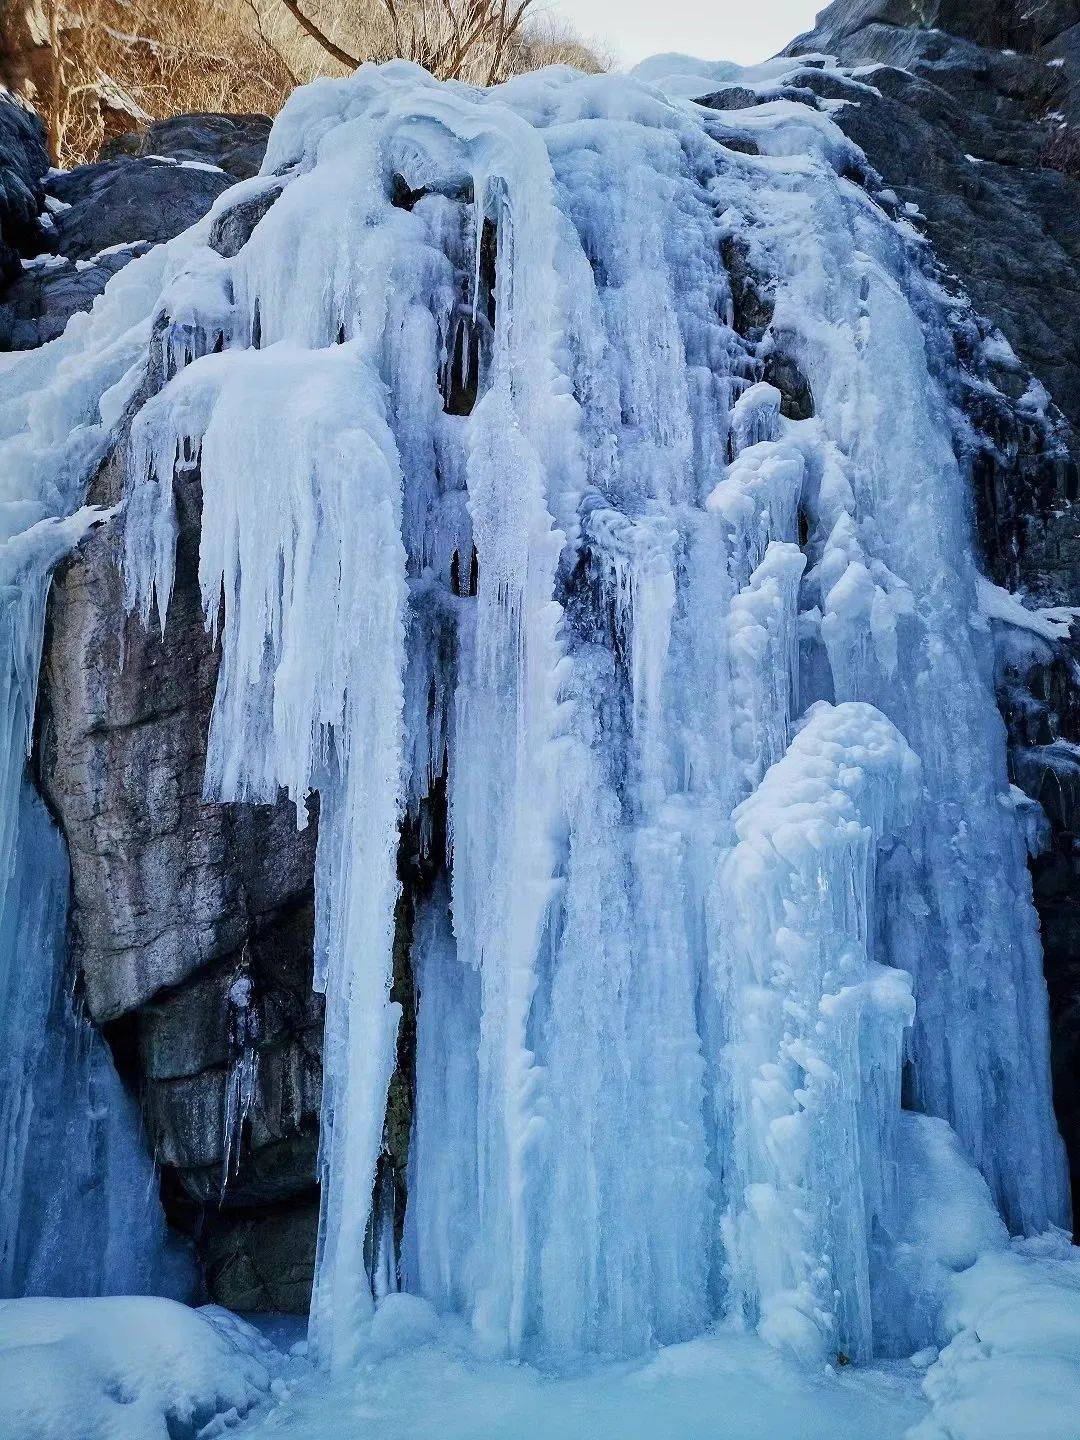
(192, 922)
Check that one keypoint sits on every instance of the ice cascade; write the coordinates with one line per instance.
(668, 691)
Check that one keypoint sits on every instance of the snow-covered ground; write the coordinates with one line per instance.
(149, 1369)
(408, 1387)
(131, 1368)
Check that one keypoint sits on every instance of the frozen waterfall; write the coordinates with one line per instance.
(521, 547)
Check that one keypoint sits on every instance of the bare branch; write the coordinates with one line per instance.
(276, 50)
(310, 28)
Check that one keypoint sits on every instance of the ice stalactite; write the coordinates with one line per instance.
(512, 549)
(243, 1073)
(290, 714)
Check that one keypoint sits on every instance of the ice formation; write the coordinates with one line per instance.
(512, 548)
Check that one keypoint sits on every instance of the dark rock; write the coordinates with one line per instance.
(961, 131)
(796, 398)
(149, 188)
(116, 202)
(751, 302)
(234, 143)
(174, 898)
(232, 229)
(24, 161)
(263, 1261)
(37, 305)
(163, 883)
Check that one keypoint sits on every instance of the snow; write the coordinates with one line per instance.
(1023, 638)
(435, 1388)
(127, 1369)
(499, 507)
(1012, 1371)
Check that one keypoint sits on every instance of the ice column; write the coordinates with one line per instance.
(816, 1038)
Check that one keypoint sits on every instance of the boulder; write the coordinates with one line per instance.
(42, 298)
(81, 226)
(24, 161)
(116, 202)
(233, 143)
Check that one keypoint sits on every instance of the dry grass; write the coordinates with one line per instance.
(116, 65)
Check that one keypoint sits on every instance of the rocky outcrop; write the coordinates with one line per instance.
(235, 144)
(24, 161)
(147, 188)
(970, 135)
(191, 922)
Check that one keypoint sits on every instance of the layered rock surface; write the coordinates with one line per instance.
(191, 923)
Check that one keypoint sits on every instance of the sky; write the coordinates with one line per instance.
(742, 30)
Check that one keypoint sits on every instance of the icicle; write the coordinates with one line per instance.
(243, 1076)
(765, 659)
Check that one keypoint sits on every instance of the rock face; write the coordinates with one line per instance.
(191, 923)
(233, 143)
(975, 137)
(973, 119)
(117, 202)
(146, 189)
(24, 161)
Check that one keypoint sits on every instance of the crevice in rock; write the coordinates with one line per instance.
(472, 330)
(422, 860)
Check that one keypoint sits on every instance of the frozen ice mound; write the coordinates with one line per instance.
(127, 1369)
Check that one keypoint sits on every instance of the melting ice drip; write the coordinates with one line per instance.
(516, 549)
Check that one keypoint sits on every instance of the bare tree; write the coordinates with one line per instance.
(453, 39)
(97, 68)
